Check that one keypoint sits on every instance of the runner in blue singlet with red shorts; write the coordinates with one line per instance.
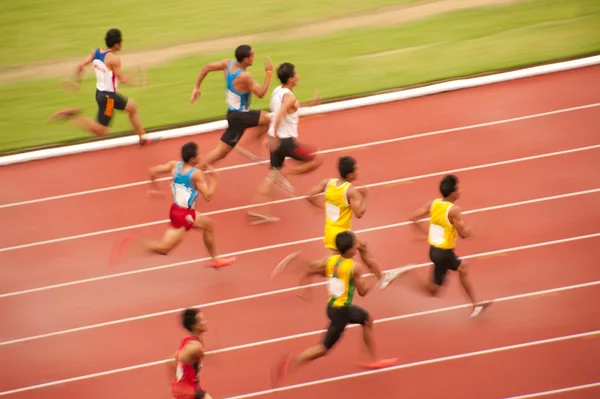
(240, 85)
(188, 183)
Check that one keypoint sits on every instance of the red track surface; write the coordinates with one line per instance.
(70, 293)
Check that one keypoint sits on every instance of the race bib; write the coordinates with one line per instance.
(332, 212)
(181, 195)
(436, 234)
(336, 287)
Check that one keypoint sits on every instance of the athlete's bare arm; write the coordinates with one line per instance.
(172, 365)
(311, 195)
(192, 352)
(455, 217)
(113, 61)
(358, 200)
(314, 268)
(420, 213)
(289, 100)
(248, 81)
(85, 62)
(154, 171)
(210, 67)
(362, 286)
(205, 186)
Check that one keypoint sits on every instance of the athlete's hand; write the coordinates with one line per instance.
(268, 64)
(195, 95)
(71, 85)
(316, 100)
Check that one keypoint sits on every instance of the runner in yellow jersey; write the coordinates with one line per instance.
(342, 201)
(445, 223)
(343, 277)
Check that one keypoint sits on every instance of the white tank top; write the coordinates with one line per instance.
(289, 125)
(105, 77)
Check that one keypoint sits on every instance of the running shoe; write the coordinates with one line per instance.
(221, 262)
(391, 275)
(480, 307)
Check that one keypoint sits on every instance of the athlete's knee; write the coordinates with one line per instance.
(131, 106)
(369, 321)
(317, 160)
(463, 269)
(206, 224)
(265, 118)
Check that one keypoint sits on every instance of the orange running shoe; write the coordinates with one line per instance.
(221, 262)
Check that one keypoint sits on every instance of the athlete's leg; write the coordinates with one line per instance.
(261, 121)
(266, 189)
(131, 108)
(84, 122)
(357, 315)
(207, 225)
(169, 241)
(463, 272)
(339, 318)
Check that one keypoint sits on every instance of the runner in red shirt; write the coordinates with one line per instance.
(187, 361)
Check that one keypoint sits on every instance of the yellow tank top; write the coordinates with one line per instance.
(441, 232)
(338, 213)
(340, 283)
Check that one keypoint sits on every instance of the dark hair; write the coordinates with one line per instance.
(189, 151)
(346, 165)
(188, 319)
(448, 185)
(113, 36)
(285, 72)
(344, 241)
(242, 52)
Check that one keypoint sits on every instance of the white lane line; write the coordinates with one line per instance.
(276, 292)
(369, 144)
(234, 209)
(291, 337)
(285, 244)
(555, 391)
(420, 363)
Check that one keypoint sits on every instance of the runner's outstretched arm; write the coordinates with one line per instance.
(311, 195)
(210, 67)
(154, 171)
(420, 213)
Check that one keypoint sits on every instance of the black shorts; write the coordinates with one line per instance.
(340, 318)
(443, 260)
(238, 122)
(289, 147)
(107, 103)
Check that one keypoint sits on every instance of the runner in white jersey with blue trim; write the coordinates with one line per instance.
(283, 143)
(107, 66)
(240, 85)
(188, 183)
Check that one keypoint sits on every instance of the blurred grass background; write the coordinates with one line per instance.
(348, 62)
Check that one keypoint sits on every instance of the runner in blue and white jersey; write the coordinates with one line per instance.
(240, 85)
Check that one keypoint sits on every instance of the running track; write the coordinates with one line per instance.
(528, 155)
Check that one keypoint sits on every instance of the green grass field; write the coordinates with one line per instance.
(350, 62)
(33, 31)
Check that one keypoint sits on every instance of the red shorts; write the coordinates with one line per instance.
(182, 217)
(185, 391)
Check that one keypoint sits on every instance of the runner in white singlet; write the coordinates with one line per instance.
(107, 66)
(283, 134)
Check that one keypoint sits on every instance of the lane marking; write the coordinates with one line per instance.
(555, 391)
(281, 245)
(270, 293)
(286, 244)
(243, 207)
(332, 150)
(416, 364)
(254, 344)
